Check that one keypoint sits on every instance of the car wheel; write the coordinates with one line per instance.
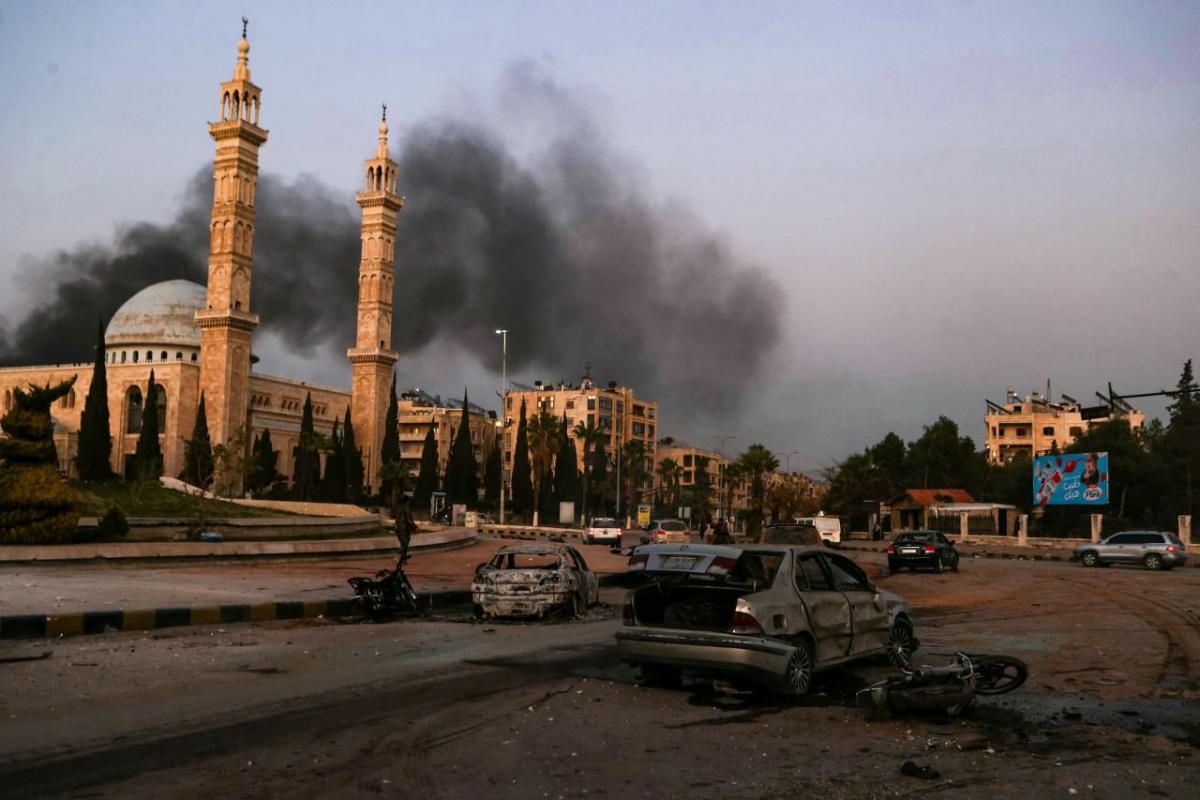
(797, 676)
(901, 644)
(1090, 559)
(893, 568)
(954, 566)
(1153, 561)
(937, 565)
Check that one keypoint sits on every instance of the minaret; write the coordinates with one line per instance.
(372, 357)
(226, 322)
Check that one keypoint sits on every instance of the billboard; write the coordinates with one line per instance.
(1070, 479)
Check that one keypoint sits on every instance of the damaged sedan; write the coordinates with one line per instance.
(534, 580)
(772, 616)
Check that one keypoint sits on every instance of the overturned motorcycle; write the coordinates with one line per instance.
(389, 594)
(948, 688)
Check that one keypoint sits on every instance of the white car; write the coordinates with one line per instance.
(603, 530)
(830, 528)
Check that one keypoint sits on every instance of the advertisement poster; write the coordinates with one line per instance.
(1070, 479)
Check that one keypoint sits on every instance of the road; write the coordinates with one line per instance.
(450, 708)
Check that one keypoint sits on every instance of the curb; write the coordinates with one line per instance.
(38, 626)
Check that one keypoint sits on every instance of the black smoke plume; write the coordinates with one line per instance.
(563, 249)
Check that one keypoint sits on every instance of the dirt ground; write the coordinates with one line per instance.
(447, 708)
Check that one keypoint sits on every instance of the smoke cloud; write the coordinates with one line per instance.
(562, 247)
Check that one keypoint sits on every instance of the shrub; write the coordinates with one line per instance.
(113, 525)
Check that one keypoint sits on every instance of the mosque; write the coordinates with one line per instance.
(197, 339)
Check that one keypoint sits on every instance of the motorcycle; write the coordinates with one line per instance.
(389, 594)
(949, 688)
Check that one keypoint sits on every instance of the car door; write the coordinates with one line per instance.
(587, 579)
(949, 553)
(1119, 548)
(828, 610)
(868, 613)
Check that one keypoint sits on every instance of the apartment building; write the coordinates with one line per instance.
(1035, 425)
(693, 462)
(615, 410)
(418, 411)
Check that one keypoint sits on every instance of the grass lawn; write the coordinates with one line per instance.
(155, 501)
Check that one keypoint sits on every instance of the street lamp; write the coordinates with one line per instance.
(720, 468)
(503, 334)
(787, 457)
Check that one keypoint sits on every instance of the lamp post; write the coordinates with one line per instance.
(721, 468)
(503, 334)
(787, 457)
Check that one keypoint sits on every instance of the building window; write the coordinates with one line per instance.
(1016, 409)
(620, 406)
(650, 412)
(160, 397)
(179, 356)
(606, 404)
(570, 404)
(1022, 432)
(149, 355)
(122, 356)
(639, 411)
(591, 404)
(639, 429)
(993, 430)
(163, 357)
(135, 356)
(193, 358)
(1047, 430)
(133, 409)
(687, 460)
(1076, 432)
(651, 431)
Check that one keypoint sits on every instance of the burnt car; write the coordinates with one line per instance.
(930, 549)
(534, 580)
(771, 615)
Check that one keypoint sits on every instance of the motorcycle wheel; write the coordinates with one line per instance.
(998, 674)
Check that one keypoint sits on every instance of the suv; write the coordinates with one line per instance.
(603, 529)
(673, 531)
(1154, 549)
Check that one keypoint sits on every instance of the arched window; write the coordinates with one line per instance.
(133, 410)
(122, 356)
(164, 356)
(178, 356)
(135, 354)
(193, 358)
(160, 396)
(237, 102)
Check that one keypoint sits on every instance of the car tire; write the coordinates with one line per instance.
(937, 565)
(798, 674)
(1153, 561)
(1090, 558)
(901, 643)
(893, 568)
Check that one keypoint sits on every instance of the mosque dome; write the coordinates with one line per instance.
(161, 314)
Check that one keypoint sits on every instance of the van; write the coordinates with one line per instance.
(830, 528)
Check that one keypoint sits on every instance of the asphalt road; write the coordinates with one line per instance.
(451, 708)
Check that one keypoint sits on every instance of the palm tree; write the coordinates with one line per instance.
(543, 435)
(634, 471)
(588, 435)
(732, 476)
(757, 462)
(669, 472)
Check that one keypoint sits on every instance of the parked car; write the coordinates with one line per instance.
(1153, 549)
(930, 549)
(673, 531)
(830, 528)
(793, 534)
(772, 615)
(603, 529)
(533, 580)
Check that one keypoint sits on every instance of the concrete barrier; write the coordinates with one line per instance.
(256, 528)
(530, 533)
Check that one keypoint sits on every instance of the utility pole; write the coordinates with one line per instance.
(721, 468)
(503, 334)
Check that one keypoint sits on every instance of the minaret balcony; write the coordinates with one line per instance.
(372, 355)
(231, 318)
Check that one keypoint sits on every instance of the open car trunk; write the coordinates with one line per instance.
(697, 586)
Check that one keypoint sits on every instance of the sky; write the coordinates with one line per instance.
(951, 198)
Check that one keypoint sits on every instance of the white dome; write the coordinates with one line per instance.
(162, 314)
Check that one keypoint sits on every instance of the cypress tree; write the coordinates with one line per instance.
(548, 511)
(462, 479)
(332, 488)
(263, 469)
(491, 479)
(427, 481)
(352, 457)
(197, 451)
(95, 439)
(306, 459)
(522, 480)
(147, 458)
(389, 448)
(599, 481)
(566, 469)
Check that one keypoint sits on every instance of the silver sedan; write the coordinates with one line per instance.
(772, 614)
